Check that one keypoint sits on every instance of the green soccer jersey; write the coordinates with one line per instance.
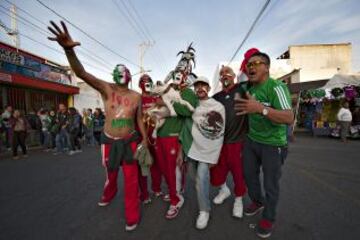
(275, 94)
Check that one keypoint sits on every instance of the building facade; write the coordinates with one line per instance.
(29, 82)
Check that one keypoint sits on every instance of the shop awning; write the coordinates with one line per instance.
(19, 80)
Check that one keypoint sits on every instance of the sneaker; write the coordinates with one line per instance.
(103, 204)
(78, 151)
(158, 194)
(253, 209)
(238, 208)
(72, 152)
(130, 228)
(202, 220)
(223, 194)
(166, 198)
(173, 210)
(264, 228)
(25, 156)
(16, 157)
(57, 153)
(147, 201)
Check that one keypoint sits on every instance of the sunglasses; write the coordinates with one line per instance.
(254, 64)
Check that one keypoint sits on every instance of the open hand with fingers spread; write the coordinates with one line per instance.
(62, 36)
(247, 105)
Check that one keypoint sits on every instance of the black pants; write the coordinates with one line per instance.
(53, 143)
(19, 138)
(75, 140)
(97, 136)
(270, 159)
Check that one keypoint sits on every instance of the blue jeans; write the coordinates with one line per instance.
(47, 139)
(89, 136)
(199, 172)
(62, 140)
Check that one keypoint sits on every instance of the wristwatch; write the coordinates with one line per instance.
(265, 111)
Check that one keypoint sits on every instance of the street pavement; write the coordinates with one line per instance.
(55, 197)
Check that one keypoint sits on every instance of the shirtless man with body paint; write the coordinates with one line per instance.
(122, 108)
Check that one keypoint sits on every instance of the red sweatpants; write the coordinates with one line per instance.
(230, 160)
(131, 185)
(155, 178)
(166, 149)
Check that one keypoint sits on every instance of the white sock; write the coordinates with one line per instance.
(238, 199)
(223, 187)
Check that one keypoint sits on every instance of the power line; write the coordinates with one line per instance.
(21, 19)
(87, 34)
(250, 30)
(46, 33)
(58, 51)
(26, 12)
(141, 20)
(139, 26)
(130, 21)
(246, 36)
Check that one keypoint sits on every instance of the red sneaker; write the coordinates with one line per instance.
(253, 209)
(264, 228)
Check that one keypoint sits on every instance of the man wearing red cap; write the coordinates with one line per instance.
(243, 76)
(145, 84)
(119, 139)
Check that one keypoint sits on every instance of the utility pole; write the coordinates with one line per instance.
(15, 37)
(12, 32)
(143, 47)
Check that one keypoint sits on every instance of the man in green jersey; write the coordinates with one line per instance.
(268, 106)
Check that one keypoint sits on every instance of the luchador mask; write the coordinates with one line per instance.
(121, 75)
(178, 78)
(145, 83)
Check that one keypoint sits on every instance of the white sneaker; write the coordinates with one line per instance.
(72, 152)
(147, 201)
(166, 198)
(78, 151)
(238, 208)
(202, 220)
(130, 228)
(223, 194)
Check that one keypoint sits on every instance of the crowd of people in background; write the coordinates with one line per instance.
(59, 131)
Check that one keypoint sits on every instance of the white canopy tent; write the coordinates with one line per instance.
(342, 80)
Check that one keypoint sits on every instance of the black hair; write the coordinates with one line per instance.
(264, 56)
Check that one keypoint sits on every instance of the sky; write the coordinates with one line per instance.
(215, 27)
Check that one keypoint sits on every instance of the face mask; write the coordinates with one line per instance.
(121, 75)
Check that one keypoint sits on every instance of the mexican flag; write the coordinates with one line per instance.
(203, 134)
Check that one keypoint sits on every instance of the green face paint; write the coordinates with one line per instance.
(122, 123)
(121, 75)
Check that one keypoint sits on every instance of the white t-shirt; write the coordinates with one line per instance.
(344, 115)
(206, 133)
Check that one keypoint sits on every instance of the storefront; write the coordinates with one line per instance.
(29, 82)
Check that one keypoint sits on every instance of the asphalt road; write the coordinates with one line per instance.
(54, 197)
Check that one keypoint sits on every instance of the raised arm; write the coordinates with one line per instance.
(63, 37)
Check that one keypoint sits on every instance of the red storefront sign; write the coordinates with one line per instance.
(17, 79)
